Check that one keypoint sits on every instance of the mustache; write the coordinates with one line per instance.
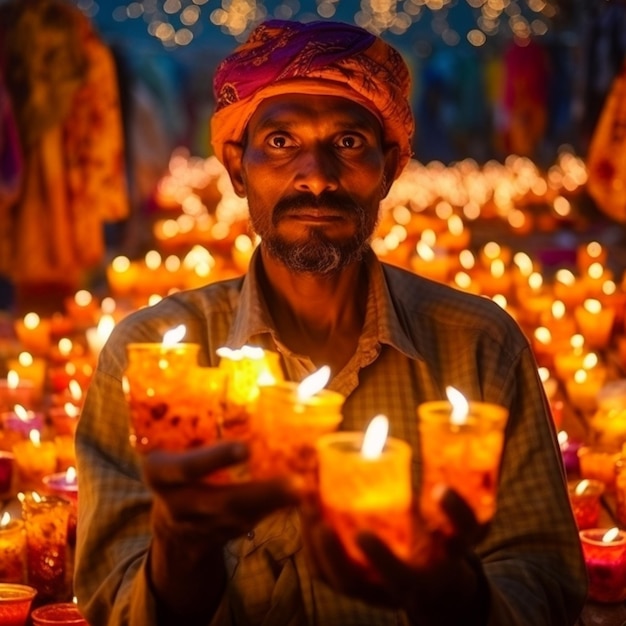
(326, 200)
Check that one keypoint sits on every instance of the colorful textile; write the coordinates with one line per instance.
(319, 58)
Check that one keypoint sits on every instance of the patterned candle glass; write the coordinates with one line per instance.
(7, 473)
(285, 429)
(585, 498)
(12, 550)
(461, 453)
(46, 522)
(15, 602)
(605, 557)
(58, 614)
(174, 403)
(366, 492)
(65, 485)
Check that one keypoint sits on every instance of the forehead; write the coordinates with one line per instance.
(301, 109)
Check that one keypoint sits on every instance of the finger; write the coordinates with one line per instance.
(467, 530)
(164, 469)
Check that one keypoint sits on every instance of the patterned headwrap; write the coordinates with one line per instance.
(318, 58)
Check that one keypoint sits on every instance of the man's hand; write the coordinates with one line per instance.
(192, 519)
(441, 584)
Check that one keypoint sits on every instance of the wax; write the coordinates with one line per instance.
(606, 564)
(598, 463)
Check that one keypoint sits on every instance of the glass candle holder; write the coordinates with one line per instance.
(358, 493)
(598, 463)
(7, 474)
(46, 523)
(15, 602)
(174, 403)
(606, 564)
(22, 421)
(12, 552)
(58, 614)
(33, 461)
(620, 490)
(585, 497)
(285, 429)
(465, 457)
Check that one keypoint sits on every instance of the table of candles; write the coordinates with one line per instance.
(510, 232)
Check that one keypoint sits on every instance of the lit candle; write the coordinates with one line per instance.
(64, 419)
(12, 550)
(46, 523)
(569, 452)
(15, 602)
(595, 322)
(34, 459)
(14, 391)
(98, 335)
(365, 485)
(290, 418)
(569, 289)
(598, 463)
(82, 309)
(65, 451)
(584, 496)
(430, 262)
(7, 474)
(65, 485)
(30, 368)
(583, 388)
(605, 558)
(33, 333)
(174, 403)
(122, 276)
(21, 421)
(461, 446)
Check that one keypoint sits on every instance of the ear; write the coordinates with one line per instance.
(392, 158)
(233, 162)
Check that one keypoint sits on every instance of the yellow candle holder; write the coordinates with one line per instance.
(465, 457)
(285, 429)
(358, 493)
(33, 461)
(174, 403)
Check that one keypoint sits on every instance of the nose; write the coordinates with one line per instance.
(317, 172)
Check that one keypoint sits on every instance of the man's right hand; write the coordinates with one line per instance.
(192, 519)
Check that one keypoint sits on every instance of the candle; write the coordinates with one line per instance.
(15, 602)
(604, 551)
(433, 263)
(594, 322)
(34, 459)
(365, 485)
(12, 550)
(174, 403)
(609, 421)
(620, 489)
(65, 485)
(29, 368)
(568, 289)
(289, 420)
(64, 419)
(598, 462)
(122, 275)
(14, 391)
(65, 451)
(569, 452)
(584, 496)
(21, 421)
(46, 522)
(461, 445)
(583, 388)
(33, 333)
(58, 614)
(82, 309)
(98, 335)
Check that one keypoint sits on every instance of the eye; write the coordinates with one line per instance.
(280, 140)
(350, 142)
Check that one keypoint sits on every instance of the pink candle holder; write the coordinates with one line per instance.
(605, 558)
(58, 614)
(22, 421)
(15, 601)
(14, 392)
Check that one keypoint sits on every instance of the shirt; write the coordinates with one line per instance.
(418, 337)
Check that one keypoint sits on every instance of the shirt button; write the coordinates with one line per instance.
(250, 535)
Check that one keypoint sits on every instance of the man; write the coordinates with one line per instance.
(313, 126)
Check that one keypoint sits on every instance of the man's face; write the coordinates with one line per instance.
(313, 170)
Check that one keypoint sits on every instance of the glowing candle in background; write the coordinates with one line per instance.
(604, 551)
(32, 369)
(174, 403)
(21, 421)
(12, 550)
(33, 333)
(594, 322)
(598, 462)
(461, 448)
(289, 419)
(34, 459)
(365, 485)
(97, 336)
(14, 391)
(46, 523)
(585, 497)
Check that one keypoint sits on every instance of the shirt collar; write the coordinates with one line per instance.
(253, 324)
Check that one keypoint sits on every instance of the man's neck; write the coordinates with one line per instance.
(318, 316)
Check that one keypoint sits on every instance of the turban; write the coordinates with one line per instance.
(318, 58)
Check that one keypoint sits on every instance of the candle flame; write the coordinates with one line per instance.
(71, 410)
(76, 392)
(313, 383)
(460, 406)
(563, 437)
(581, 487)
(35, 436)
(375, 437)
(610, 535)
(21, 413)
(31, 320)
(25, 359)
(5, 519)
(13, 379)
(65, 346)
(106, 323)
(70, 474)
(593, 306)
(250, 352)
(174, 336)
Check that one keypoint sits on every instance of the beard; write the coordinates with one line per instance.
(316, 253)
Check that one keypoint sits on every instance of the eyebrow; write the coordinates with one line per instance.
(355, 124)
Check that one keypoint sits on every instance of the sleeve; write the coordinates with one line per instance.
(113, 532)
(532, 556)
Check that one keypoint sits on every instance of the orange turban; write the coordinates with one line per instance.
(318, 58)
